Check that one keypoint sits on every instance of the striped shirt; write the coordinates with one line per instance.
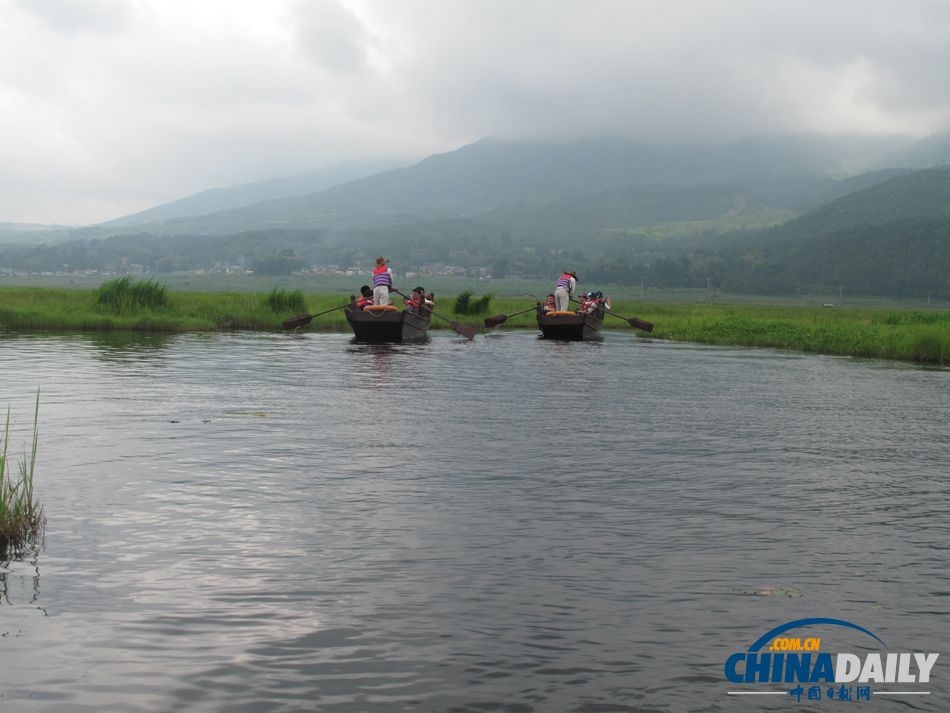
(567, 282)
(382, 275)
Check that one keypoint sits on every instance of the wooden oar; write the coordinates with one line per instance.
(302, 319)
(635, 322)
(466, 331)
(500, 318)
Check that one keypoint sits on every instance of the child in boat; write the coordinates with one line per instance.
(548, 305)
(366, 300)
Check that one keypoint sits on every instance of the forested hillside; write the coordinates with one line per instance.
(885, 233)
(790, 173)
(914, 195)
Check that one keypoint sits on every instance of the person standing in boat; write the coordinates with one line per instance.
(565, 290)
(382, 282)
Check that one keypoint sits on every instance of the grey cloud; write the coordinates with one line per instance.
(71, 16)
(687, 69)
(330, 36)
(221, 92)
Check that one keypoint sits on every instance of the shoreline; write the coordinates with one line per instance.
(899, 334)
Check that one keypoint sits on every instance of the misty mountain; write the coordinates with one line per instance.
(218, 199)
(32, 233)
(890, 239)
(794, 173)
(914, 195)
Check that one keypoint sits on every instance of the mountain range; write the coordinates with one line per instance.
(796, 173)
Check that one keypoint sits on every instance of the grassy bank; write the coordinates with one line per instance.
(882, 333)
(28, 308)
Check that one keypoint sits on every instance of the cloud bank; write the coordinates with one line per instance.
(112, 106)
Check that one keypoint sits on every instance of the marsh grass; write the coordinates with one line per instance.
(279, 301)
(21, 516)
(865, 332)
(124, 295)
(465, 305)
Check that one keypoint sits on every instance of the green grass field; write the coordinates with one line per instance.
(527, 288)
(879, 332)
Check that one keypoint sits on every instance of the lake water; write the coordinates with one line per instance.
(503, 525)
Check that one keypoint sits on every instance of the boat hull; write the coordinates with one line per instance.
(571, 327)
(388, 327)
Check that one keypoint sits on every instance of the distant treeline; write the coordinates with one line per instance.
(272, 252)
(900, 258)
(892, 238)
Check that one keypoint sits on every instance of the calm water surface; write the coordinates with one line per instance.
(504, 525)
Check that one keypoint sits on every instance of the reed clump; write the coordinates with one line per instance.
(124, 295)
(21, 516)
(465, 305)
(280, 301)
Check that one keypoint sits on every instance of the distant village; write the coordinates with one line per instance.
(433, 270)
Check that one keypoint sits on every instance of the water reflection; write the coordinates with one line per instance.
(127, 347)
(497, 525)
(20, 575)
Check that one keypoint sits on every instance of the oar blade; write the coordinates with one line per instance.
(463, 329)
(640, 324)
(298, 321)
(496, 320)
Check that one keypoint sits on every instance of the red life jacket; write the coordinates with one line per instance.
(363, 302)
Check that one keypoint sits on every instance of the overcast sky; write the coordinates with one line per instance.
(112, 106)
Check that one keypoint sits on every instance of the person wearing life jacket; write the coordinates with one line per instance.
(427, 300)
(548, 305)
(413, 301)
(366, 300)
(382, 282)
(599, 299)
(564, 290)
(581, 299)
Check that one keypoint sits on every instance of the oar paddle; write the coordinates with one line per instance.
(500, 318)
(466, 331)
(302, 319)
(634, 321)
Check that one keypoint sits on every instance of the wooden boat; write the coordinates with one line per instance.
(570, 326)
(381, 325)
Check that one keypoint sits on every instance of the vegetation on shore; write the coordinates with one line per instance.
(21, 516)
(881, 333)
(123, 295)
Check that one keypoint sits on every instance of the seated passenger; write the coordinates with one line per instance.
(413, 301)
(549, 304)
(366, 300)
(428, 300)
(592, 301)
(584, 306)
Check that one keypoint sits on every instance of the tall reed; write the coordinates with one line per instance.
(280, 301)
(122, 295)
(464, 304)
(21, 516)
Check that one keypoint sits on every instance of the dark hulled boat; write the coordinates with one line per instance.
(570, 326)
(381, 326)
